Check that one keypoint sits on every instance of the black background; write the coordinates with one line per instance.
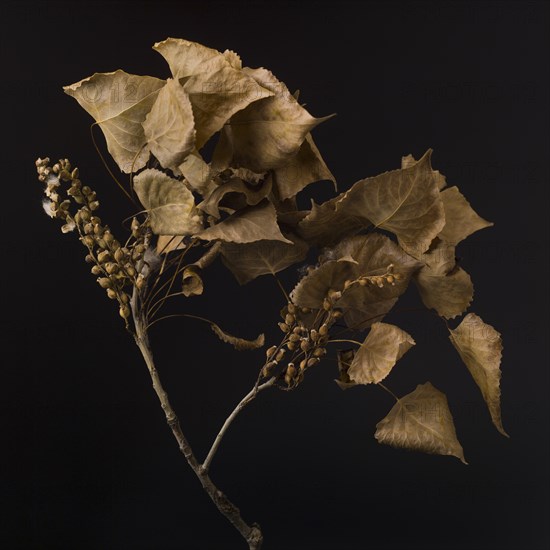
(87, 460)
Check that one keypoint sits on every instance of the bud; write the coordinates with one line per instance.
(111, 267)
(89, 259)
(103, 256)
(64, 175)
(119, 255)
(124, 311)
(284, 327)
(319, 352)
(323, 330)
(74, 174)
(88, 241)
(312, 361)
(94, 205)
(104, 282)
(327, 306)
(124, 298)
(96, 270)
(140, 281)
(111, 293)
(314, 335)
(303, 364)
(390, 279)
(130, 270)
(108, 237)
(297, 330)
(294, 337)
(84, 214)
(270, 351)
(291, 308)
(304, 345)
(280, 354)
(289, 319)
(336, 314)
(291, 346)
(363, 282)
(86, 190)
(347, 284)
(291, 369)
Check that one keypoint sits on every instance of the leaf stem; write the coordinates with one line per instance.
(344, 340)
(388, 390)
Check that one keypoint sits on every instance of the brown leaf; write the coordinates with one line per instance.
(406, 202)
(217, 89)
(247, 193)
(240, 344)
(270, 131)
(248, 261)
(409, 160)
(169, 243)
(253, 223)
(197, 173)
(450, 294)
(480, 347)
(119, 103)
(378, 354)
(326, 225)
(439, 258)
(306, 167)
(170, 204)
(169, 126)
(460, 219)
(192, 284)
(421, 421)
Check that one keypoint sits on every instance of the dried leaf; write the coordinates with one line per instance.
(325, 225)
(382, 348)
(460, 219)
(421, 421)
(119, 103)
(409, 160)
(240, 344)
(480, 347)
(439, 258)
(217, 89)
(313, 288)
(197, 174)
(170, 204)
(248, 261)
(169, 243)
(306, 167)
(270, 131)
(169, 126)
(192, 284)
(345, 358)
(450, 294)
(249, 194)
(406, 202)
(253, 223)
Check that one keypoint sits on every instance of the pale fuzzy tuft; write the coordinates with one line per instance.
(48, 207)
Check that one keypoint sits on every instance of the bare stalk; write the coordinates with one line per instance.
(245, 400)
(251, 533)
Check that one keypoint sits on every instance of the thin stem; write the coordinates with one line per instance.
(388, 390)
(281, 287)
(251, 533)
(344, 340)
(244, 401)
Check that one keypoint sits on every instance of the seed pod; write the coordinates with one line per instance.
(280, 354)
(74, 174)
(347, 284)
(88, 241)
(64, 175)
(291, 369)
(284, 327)
(327, 306)
(390, 279)
(303, 364)
(334, 294)
(140, 281)
(319, 352)
(323, 330)
(96, 270)
(85, 214)
(266, 371)
(398, 276)
(304, 345)
(111, 293)
(288, 379)
(312, 361)
(294, 337)
(363, 282)
(115, 245)
(119, 255)
(270, 351)
(289, 319)
(103, 256)
(108, 237)
(336, 314)
(130, 270)
(104, 282)
(306, 310)
(89, 258)
(124, 311)
(94, 205)
(101, 242)
(291, 308)
(86, 190)
(135, 224)
(291, 346)
(111, 267)
(297, 330)
(140, 248)
(98, 230)
(313, 334)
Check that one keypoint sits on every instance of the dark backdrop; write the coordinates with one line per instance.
(87, 461)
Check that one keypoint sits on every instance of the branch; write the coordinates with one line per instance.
(246, 399)
(251, 533)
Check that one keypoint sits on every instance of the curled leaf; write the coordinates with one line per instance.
(250, 260)
(192, 284)
(450, 295)
(480, 347)
(170, 204)
(382, 348)
(421, 421)
(240, 344)
(254, 223)
(119, 103)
